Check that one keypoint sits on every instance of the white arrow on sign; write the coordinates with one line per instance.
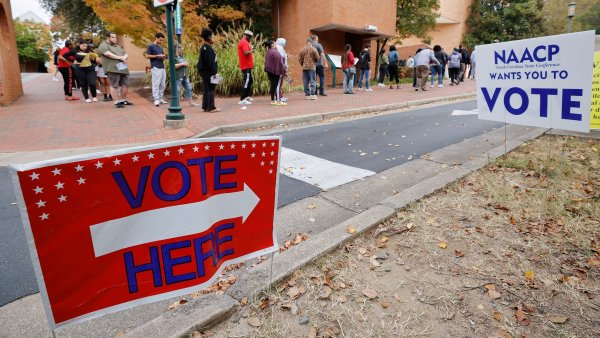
(171, 222)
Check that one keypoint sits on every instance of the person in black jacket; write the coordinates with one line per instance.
(207, 66)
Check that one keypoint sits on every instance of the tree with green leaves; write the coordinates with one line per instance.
(503, 20)
(76, 18)
(587, 16)
(416, 18)
(34, 41)
(591, 18)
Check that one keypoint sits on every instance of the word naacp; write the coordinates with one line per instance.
(539, 54)
(543, 94)
(202, 248)
(135, 200)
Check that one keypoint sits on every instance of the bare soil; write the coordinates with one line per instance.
(512, 250)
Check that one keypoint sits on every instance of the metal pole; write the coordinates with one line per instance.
(175, 113)
(569, 25)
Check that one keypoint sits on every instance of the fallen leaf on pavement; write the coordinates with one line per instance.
(244, 301)
(342, 299)
(443, 245)
(264, 303)
(497, 316)
(313, 332)
(557, 319)
(458, 253)
(325, 293)
(293, 292)
(521, 317)
(350, 229)
(529, 275)
(494, 294)
(312, 206)
(370, 293)
(384, 304)
(254, 321)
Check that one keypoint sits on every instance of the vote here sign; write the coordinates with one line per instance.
(541, 82)
(113, 230)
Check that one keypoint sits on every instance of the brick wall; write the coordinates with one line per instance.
(10, 76)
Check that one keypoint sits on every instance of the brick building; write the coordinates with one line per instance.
(10, 76)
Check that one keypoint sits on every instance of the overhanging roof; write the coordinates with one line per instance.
(354, 30)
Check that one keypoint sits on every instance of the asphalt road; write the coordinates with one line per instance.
(376, 144)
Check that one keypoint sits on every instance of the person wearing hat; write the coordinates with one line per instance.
(157, 57)
(246, 60)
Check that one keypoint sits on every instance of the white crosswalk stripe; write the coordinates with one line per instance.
(317, 171)
(465, 112)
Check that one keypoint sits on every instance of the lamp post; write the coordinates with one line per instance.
(570, 14)
(175, 118)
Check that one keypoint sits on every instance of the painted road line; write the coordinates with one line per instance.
(317, 171)
(465, 112)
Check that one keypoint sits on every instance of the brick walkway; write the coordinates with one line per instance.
(41, 119)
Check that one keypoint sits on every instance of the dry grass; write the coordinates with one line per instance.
(512, 250)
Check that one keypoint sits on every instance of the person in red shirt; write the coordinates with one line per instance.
(64, 67)
(246, 60)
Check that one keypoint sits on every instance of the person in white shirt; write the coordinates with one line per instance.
(422, 60)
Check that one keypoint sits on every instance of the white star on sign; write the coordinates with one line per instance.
(79, 168)
(81, 181)
(263, 154)
(117, 161)
(270, 171)
(99, 165)
(253, 145)
(221, 147)
(252, 155)
(264, 144)
(195, 149)
(44, 216)
(272, 153)
(41, 203)
(150, 155)
(244, 146)
(34, 176)
(62, 198)
(272, 162)
(59, 185)
(56, 171)
(180, 150)
(38, 190)
(167, 152)
(262, 164)
(135, 158)
(272, 144)
(232, 146)
(206, 147)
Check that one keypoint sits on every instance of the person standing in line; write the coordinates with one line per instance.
(103, 80)
(394, 60)
(182, 75)
(414, 67)
(348, 69)
(280, 44)
(55, 58)
(114, 62)
(463, 63)
(308, 60)
(454, 67)
(321, 64)
(438, 69)
(246, 60)
(383, 67)
(86, 71)
(473, 59)
(422, 60)
(64, 67)
(208, 67)
(157, 56)
(364, 62)
(275, 69)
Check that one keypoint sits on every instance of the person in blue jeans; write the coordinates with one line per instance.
(182, 75)
(438, 69)
(364, 63)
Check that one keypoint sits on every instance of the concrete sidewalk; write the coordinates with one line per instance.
(42, 120)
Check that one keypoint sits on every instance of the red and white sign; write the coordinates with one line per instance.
(158, 3)
(113, 230)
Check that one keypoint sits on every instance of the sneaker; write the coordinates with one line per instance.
(323, 94)
(194, 104)
(432, 86)
(244, 102)
(416, 89)
(369, 90)
(163, 101)
(313, 97)
(440, 86)
(284, 99)
(88, 100)
(280, 103)
(391, 87)
(156, 103)
(126, 103)
(360, 89)
(308, 97)
(249, 99)
(73, 98)
(273, 102)
(106, 99)
(94, 100)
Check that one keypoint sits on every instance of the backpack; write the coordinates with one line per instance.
(363, 60)
(455, 60)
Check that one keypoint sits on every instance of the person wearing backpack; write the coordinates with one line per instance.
(364, 63)
(393, 66)
(454, 63)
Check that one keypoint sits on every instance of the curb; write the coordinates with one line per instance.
(322, 117)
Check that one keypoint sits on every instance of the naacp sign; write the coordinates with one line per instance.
(541, 82)
(113, 230)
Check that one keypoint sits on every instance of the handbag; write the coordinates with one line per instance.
(352, 70)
